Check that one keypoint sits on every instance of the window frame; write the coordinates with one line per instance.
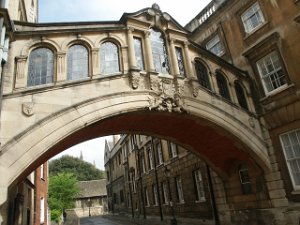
(224, 90)
(204, 79)
(294, 185)
(140, 63)
(116, 60)
(179, 189)
(86, 73)
(218, 44)
(243, 20)
(199, 186)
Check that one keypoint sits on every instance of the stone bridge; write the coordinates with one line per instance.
(69, 82)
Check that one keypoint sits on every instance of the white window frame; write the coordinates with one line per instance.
(151, 159)
(291, 157)
(159, 153)
(199, 185)
(267, 76)
(253, 11)
(42, 210)
(173, 149)
(215, 46)
(179, 189)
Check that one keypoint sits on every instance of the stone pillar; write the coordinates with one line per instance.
(61, 67)
(131, 52)
(21, 78)
(187, 61)
(174, 62)
(149, 56)
(95, 62)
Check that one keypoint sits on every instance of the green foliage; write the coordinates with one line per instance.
(82, 170)
(63, 190)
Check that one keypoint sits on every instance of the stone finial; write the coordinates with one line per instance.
(156, 7)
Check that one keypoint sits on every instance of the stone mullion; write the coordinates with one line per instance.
(148, 50)
(174, 62)
(95, 62)
(131, 52)
(61, 67)
(21, 78)
(187, 61)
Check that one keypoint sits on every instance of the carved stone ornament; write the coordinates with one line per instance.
(27, 108)
(167, 104)
(155, 83)
(135, 79)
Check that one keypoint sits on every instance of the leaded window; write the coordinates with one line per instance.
(223, 87)
(77, 62)
(159, 52)
(109, 58)
(241, 95)
(180, 61)
(40, 70)
(291, 145)
(271, 72)
(139, 53)
(215, 46)
(252, 18)
(202, 75)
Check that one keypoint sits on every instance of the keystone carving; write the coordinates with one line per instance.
(27, 108)
(167, 104)
(155, 84)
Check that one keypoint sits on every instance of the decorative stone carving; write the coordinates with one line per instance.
(155, 83)
(167, 104)
(135, 79)
(27, 108)
(194, 85)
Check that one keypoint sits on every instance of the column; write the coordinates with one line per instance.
(131, 52)
(148, 49)
(95, 62)
(21, 79)
(187, 60)
(174, 65)
(61, 67)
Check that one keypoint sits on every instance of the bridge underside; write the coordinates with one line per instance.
(210, 143)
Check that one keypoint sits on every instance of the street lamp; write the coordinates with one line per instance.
(168, 175)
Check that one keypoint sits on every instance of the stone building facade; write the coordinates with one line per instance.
(158, 179)
(262, 38)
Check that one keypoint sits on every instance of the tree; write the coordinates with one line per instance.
(82, 170)
(63, 190)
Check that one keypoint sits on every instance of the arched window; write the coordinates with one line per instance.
(245, 179)
(202, 75)
(159, 52)
(77, 62)
(109, 58)
(222, 85)
(40, 69)
(241, 95)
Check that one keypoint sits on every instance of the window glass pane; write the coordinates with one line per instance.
(159, 52)
(139, 53)
(77, 62)
(252, 18)
(179, 56)
(109, 58)
(291, 145)
(40, 70)
(215, 46)
(223, 87)
(202, 75)
(241, 96)
(271, 72)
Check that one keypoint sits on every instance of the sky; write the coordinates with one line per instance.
(103, 10)
(109, 10)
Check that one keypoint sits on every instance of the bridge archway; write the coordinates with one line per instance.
(199, 127)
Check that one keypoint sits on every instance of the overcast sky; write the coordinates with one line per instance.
(103, 10)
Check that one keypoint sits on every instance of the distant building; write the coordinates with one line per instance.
(92, 199)
(149, 177)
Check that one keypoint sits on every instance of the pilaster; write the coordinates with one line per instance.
(21, 77)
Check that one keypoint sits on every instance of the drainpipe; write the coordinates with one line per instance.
(212, 197)
(156, 179)
(138, 166)
(130, 192)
